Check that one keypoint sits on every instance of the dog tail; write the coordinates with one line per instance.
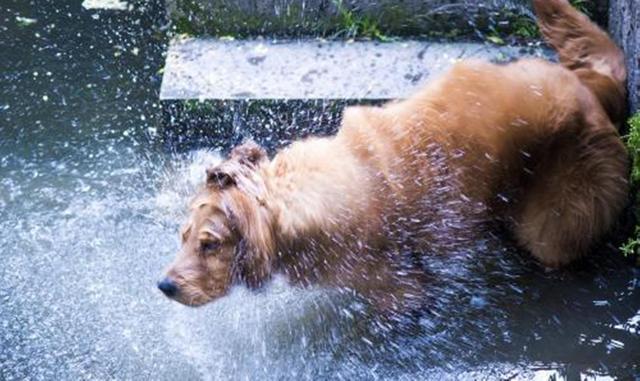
(588, 51)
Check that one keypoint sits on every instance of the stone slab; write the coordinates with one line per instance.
(204, 69)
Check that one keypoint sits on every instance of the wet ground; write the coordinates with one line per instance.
(90, 204)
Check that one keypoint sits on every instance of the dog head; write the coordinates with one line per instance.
(228, 237)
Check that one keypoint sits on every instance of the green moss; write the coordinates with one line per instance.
(184, 26)
(224, 18)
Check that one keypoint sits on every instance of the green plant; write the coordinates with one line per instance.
(632, 246)
(525, 27)
(356, 26)
(633, 144)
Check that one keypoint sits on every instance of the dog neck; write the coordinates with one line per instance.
(321, 200)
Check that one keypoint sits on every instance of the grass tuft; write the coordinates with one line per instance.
(356, 26)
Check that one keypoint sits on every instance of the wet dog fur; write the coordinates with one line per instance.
(531, 144)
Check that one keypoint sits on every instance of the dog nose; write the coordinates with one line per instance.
(168, 287)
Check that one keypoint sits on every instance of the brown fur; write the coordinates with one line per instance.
(532, 143)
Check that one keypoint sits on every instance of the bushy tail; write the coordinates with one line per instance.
(587, 50)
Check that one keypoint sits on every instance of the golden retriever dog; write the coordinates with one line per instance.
(532, 145)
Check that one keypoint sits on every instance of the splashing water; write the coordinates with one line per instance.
(79, 300)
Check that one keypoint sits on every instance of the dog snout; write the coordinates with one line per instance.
(168, 287)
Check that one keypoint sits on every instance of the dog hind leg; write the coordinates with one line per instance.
(577, 191)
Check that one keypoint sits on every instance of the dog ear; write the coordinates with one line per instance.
(255, 251)
(253, 265)
(249, 153)
(218, 178)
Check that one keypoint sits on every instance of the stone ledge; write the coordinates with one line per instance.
(215, 93)
(314, 69)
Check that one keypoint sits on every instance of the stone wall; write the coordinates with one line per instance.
(624, 25)
(508, 20)
(435, 18)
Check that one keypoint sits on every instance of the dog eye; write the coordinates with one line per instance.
(209, 246)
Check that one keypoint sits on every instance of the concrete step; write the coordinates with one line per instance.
(218, 91)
